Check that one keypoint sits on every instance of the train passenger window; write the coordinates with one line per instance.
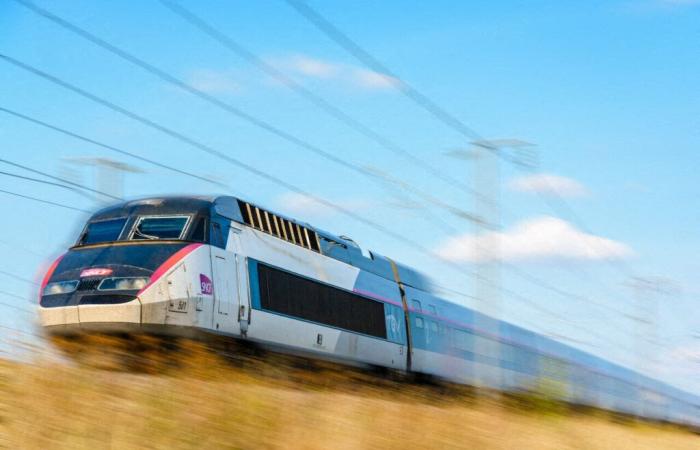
(103, 231)
(432, 310)
(419, 322)
(295, 296)
(462, 340)
(433, 326)
(154, 228)
(415, 304)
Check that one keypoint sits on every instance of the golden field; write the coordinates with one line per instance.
(209, 403)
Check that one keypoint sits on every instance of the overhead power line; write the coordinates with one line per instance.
(25, 249)
(25, 332)
(251, 169)
(50, 183)
(47, 202)
(557, 290)
(533, 304)
(565, 319)
(231, 160)
(224, 106)
(210, 150)
(12, 306)
(109, 147)
(35, 180)
(441, 114)
(17, 277)
(239, 49)
(53, 177)
(101, 144)
(352, 47)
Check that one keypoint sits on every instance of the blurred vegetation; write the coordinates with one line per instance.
(246, 400)
(542, 399)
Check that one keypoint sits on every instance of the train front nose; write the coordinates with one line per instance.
(98, 287)
(99, 296)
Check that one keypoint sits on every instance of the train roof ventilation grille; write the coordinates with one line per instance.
(277, 226)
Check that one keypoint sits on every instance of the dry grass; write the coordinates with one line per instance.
(207, 403)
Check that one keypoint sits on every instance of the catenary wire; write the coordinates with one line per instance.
(47, 202)
(108, 147)
(231, 160)
(352, 47)
(17, 277)
(318, 20)
(227, 41)
(205, 148)
(50, 183)
(226, 106)
(132, 61)
(240, 164)
(62, 180)
(520, 297)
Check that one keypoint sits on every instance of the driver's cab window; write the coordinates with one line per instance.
(160, 227)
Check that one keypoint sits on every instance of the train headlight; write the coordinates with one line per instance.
(60, 287)
(123, 284)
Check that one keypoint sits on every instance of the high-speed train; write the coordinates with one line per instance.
(223, 266)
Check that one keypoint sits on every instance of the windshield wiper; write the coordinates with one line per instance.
(144, 235)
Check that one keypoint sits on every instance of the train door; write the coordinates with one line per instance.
(242, 300)
(225, 287)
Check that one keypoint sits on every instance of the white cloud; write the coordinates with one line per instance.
(374, 80)
(549, 184)
(329, 70)
(214, 82)
(539, 238)
(313, 67)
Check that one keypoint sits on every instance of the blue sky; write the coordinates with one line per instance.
(609, 92)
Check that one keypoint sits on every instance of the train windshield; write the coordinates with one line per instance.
(153, 228)
(103, 231)
(143, 228)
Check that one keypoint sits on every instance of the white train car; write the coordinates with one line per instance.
(220, 266)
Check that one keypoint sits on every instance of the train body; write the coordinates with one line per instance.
(223, 266)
